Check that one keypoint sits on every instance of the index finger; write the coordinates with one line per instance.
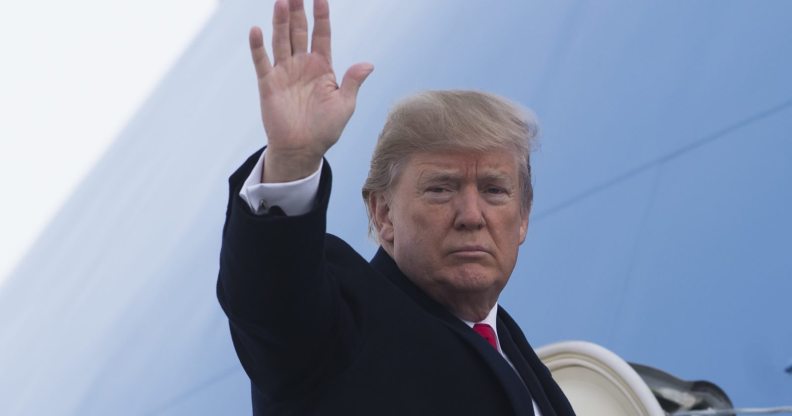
(320, 39)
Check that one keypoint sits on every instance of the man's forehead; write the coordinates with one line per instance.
(459, 163)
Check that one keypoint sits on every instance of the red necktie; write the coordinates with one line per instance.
(487, 333)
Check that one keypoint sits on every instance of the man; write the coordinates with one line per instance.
(416, 331)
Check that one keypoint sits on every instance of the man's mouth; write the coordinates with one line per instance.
(470, 251)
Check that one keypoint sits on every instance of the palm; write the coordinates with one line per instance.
(301, 105)
(303, 109)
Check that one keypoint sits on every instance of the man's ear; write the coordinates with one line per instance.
(524, 214)
(380, 213)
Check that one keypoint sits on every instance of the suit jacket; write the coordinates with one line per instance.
(320, 330)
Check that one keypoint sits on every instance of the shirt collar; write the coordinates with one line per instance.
(491, 319)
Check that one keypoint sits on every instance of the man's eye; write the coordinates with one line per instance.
(436, 189)
(495, 190)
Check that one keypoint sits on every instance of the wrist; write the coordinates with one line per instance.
(280, 168)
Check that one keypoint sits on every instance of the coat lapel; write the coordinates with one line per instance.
(521, 365)
(552, 396)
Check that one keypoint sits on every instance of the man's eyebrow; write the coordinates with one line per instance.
(439, 176)
(495, 176)
(433, 176)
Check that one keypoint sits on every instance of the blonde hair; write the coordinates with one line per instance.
(437, 121)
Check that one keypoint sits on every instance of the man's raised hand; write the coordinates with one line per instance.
(303, 109)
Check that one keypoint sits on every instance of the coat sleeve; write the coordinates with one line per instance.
(289, 324)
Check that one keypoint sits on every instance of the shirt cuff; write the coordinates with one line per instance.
(294, 198)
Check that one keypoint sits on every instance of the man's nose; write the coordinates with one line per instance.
(469, 215)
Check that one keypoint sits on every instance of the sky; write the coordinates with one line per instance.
(72, 75)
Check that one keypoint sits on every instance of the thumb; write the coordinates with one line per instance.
(353, 79)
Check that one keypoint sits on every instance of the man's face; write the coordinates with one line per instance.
(454, 223)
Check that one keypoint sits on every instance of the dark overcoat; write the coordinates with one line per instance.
(320, 330)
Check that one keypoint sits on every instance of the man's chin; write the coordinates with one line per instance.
(474, 278)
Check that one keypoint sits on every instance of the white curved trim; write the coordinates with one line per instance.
(610, 367)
